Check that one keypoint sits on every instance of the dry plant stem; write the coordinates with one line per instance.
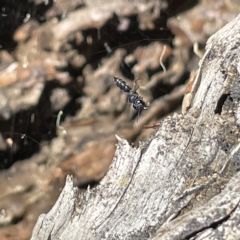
(80, 19)
(161, 58)
(197, 51)
(174, 72)
(157, 78)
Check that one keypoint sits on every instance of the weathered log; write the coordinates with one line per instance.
(183, 182)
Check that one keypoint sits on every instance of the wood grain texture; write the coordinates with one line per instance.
(183, 182)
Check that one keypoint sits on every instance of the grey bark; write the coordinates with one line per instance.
(183, 182)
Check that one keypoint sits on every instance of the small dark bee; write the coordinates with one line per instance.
(133, 97)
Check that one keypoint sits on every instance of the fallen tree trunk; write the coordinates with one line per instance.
(183, 182)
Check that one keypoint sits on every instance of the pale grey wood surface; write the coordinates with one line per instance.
(183, 183)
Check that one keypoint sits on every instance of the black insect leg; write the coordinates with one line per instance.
(139, 112)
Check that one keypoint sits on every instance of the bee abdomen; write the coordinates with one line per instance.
(121, 84)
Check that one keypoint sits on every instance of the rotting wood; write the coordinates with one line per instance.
(185, 184)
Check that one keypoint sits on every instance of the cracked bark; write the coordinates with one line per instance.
(184, 182)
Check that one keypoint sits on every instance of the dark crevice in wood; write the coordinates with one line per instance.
(214, 225)
(220, 103)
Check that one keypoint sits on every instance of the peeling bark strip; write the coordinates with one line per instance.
(185, 184)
